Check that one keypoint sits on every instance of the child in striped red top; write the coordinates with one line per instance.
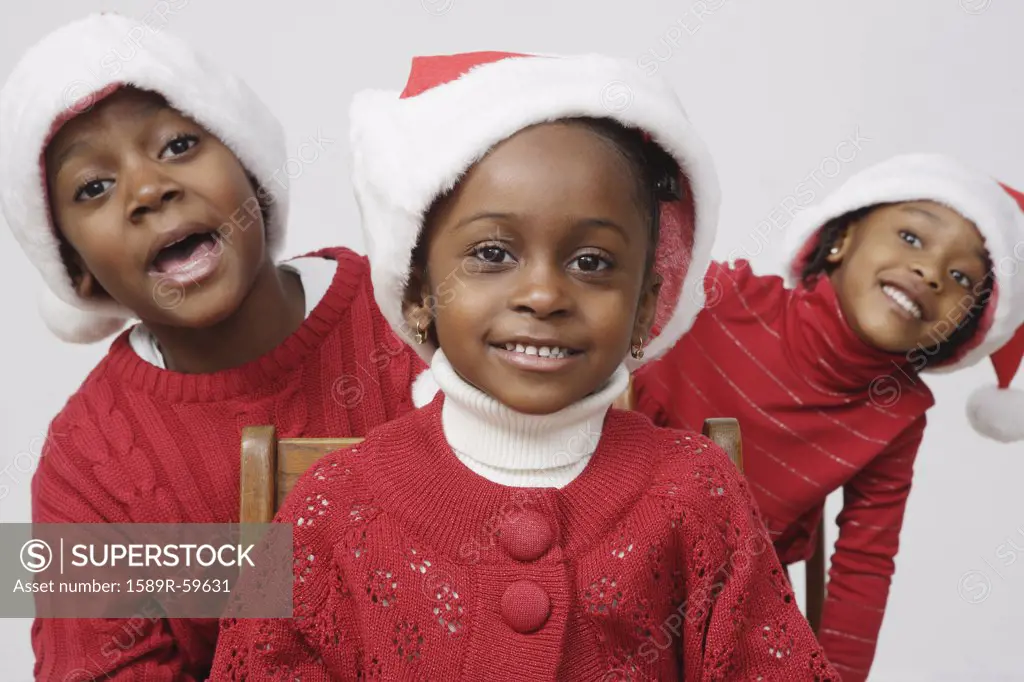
(910, 266)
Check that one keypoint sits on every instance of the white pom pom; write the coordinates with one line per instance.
(75, 325)
(424, 388)
(997, 413)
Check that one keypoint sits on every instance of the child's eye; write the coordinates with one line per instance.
(492, 254)
(90, 189)
(962, 279)
(179, 145)
(589, 262)
(910, 238)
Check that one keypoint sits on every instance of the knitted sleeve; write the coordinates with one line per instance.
(742, 621)
(319, 643)
(862, 564)
(118, 650)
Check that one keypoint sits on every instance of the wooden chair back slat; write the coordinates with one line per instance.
(725, 433)
(258, 474)
(296, 455)
(272, 467)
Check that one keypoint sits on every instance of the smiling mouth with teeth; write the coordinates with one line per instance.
(903, 301)
(555, 352)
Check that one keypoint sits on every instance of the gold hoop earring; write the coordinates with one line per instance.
(637, 350)
(421, 333)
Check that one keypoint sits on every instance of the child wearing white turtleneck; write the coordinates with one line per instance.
(518, 527)
(517, 449)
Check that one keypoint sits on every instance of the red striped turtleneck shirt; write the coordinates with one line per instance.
(819, 410)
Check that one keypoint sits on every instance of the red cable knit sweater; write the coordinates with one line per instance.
(819, 410)
(137, 444)
(651, 564)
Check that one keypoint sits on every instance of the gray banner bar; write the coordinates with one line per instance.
(159, 570)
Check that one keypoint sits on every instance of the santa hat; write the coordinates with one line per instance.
(409, 148)
(65, 75)
(998, 213)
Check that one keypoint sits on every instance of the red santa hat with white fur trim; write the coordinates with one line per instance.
(65, 75)
(998, 213)
(409, 148)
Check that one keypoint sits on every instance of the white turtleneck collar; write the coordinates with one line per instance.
(516, 449)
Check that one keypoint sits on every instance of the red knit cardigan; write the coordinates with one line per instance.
(651, 564)
(138, 444)
(819, 410)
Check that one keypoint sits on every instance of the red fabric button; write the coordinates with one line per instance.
(525, 606)
(526, 536)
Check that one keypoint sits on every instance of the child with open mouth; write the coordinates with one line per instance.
(152, 193)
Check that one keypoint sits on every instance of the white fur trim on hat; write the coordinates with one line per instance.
(61, 77)
(424, 388)
(73, 324)
(997, 413)
(407, 152)
(972, 194)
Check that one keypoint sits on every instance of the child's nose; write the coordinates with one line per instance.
(929, 272)
(149, 193)
(541, 291)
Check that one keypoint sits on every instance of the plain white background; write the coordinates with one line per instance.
(775, 88)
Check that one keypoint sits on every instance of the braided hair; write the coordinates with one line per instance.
(655, 172)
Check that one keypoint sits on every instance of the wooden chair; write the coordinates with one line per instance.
(272, 466)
